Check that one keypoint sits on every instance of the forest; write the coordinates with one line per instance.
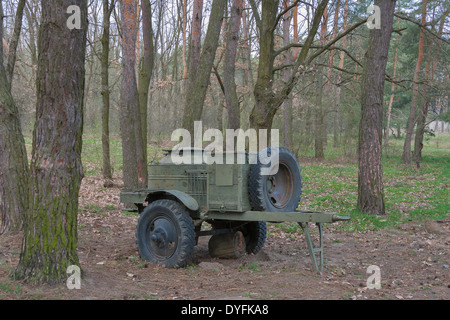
(92, 90)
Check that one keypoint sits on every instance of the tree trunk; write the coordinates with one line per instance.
(50, 231)
(196, 97)
(130, 124)
(370, 174)
(145, 76)
(229, 83)
(1, 33)
(319, 117)
(391, 99)
(267, 102)
(246, 106)
(421, 118)
(412, 113)
(320, 134)
(107, 172)
(329, 72)
(262, 114)
(338, 118)
(196, 34)
(14, 172)
(288, 59)
(423, 110)
(15, 41)
(185, 68)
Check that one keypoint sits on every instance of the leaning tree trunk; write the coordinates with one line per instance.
(15, 41)
(13, 162)
(370, 175)
(50, 231)
(13, 156)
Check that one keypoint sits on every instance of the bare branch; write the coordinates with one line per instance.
(300, 45)
(282, 14)
(329, 44)
(423, 26)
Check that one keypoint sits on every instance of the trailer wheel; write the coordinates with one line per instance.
(279, 192)
(255, 234)
(165, 234)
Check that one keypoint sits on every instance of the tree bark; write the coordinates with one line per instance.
(406, 157)
(423, 110)
(14, 171)
(391, 99)
(288, 59)
(50, 231)
(130, 124)
(319, 111)
(262, 114)
(185, 67)
(1, 33)
(145, 76)
(196, 36)
(329, 72)
(339, 79)
(229, 83)
(107, 172)
(15, 41)
(370, 174)
(196, 97)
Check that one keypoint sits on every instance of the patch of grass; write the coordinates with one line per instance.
(92, 208)
(10, 288)
(92, 154)
(130, 213)
(411, 194)
(253, 267)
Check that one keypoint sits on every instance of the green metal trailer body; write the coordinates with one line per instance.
(224, 195)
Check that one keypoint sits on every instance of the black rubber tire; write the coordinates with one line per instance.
(165, 234)
(289, 173)
(255, 234)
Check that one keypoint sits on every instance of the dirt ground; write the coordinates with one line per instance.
(413, 261)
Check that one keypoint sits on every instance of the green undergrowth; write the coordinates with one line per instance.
(411, 193)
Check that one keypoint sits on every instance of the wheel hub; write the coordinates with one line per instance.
(163, 238)
(279, 187)
(159, 237)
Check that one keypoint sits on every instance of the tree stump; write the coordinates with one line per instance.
(227, 246)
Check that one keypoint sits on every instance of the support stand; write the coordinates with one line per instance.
(312, 249)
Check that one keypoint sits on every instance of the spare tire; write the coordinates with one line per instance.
(255, 234)
(279, 192)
